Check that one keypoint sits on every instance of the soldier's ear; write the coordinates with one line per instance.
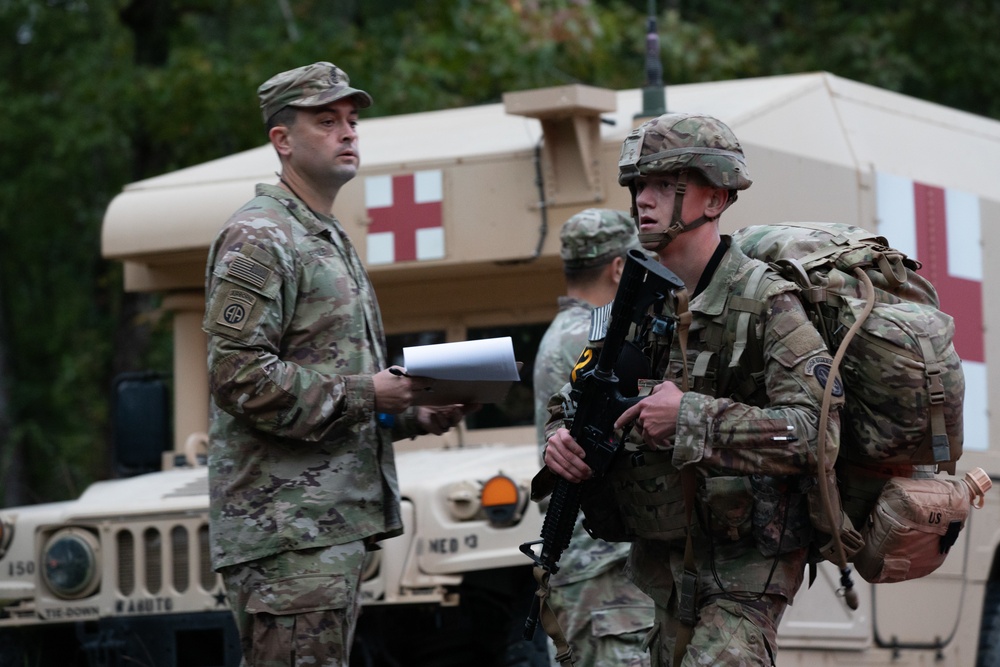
(716, 203)
(280, 139)
(617, 267)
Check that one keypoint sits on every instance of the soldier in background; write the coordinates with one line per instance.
(602, 614)
(716, 493)
(304, 411)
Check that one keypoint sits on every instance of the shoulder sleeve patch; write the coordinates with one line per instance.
(236, 308)
(249, 270)
(599, 320)
(233, 311)
(820, 367)
(252, 268)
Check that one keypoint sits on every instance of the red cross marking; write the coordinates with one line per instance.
(960, 297)
(404, 218)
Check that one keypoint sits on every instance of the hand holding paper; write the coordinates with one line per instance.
(473, 371)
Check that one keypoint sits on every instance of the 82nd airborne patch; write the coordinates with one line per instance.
(236, 308)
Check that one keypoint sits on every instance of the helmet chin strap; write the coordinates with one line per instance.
(657, 241)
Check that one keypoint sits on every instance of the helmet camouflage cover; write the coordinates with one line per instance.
(679, 141)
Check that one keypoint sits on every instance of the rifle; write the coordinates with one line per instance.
(644, 282)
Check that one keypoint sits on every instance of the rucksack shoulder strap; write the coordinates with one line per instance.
(746, 306)
(749, 300)
(737, 326)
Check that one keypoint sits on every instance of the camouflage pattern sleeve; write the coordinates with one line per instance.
(781, 437)
(558, 353)
(290, 345)
(560, 411)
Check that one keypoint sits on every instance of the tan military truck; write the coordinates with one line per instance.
(457, 214)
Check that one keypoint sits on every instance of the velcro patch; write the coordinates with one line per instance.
(805, 340)
(249, 271)
(236, 309)
(820, 367)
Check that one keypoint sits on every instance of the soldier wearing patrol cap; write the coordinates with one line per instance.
(591, 582)
(716, 489)
(304, 410)
(593, 244)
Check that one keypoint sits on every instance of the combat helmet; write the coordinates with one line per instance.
(678, 143)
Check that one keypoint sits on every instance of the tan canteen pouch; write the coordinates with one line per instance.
(914, 524)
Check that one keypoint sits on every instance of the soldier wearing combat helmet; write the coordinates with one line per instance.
(591, 581)
(689, 146)
(715, 494)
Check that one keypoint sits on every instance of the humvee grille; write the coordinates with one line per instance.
(147, 563)
(182, 564)
(126, 562)
(153, 548)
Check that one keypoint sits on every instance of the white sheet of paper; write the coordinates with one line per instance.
(486, 359)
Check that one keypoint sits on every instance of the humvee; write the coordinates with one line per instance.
(456, 213)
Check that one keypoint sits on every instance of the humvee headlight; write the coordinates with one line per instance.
(463, 501)
(69, 563)
(501, 500)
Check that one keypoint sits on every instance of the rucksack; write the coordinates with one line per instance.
(903, 379)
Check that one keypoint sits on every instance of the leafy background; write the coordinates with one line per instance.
(100, 93)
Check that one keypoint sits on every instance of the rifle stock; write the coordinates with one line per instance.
(644, 282)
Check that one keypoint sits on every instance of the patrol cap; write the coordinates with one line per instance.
(310, 86)
(595, 236)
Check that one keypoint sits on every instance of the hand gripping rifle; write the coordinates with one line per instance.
(644, 282)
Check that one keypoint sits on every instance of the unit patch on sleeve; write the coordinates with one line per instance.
(820, 367)
(236, 309)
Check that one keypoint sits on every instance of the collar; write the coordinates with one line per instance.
(315, 223)
(713, 264)
(732, 265)
(568, 302)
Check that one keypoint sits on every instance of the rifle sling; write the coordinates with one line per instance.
(549, 621)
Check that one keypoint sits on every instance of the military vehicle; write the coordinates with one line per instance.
(456, 213)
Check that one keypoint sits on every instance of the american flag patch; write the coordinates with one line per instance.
(599, 320)
(249, 271)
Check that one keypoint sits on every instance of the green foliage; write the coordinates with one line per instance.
(930, 49)
(99, 93)
(63, 155)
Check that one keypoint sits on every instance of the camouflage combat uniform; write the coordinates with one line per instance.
(753, 462)
(558, 352)
(602, 614)
(739, 476)
(302, 474)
